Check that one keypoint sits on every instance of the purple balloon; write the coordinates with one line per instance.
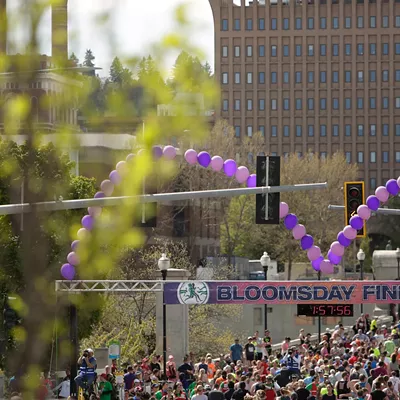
(316, 264)
(68, 272)
(204, 159)
(157, 152)
(115, 177)
(373, 203)
(333, 258)
(99, 195)
(290, 221)
(392, 187)
(230, 167)
(88, 222)
(343, 239)
(306, 242)
(252, 181)
(74, 245)
(357, 222)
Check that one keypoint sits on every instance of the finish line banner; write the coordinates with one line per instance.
(297, 292)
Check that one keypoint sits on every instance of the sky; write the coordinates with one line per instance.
(137, 24)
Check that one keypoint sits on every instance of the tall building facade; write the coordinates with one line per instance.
(314, 75)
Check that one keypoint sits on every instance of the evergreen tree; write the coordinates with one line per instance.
(119, 74)
(74, 59)
(89, 57)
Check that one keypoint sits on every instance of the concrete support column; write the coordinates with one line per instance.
(59, 31)
(3, 27)
(177, 321)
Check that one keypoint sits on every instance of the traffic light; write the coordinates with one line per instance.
(10, 318)
(353, 198)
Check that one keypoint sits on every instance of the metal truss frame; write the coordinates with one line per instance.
(109, 286)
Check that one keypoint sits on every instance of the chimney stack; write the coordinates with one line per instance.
(59, 31)
(3, 27)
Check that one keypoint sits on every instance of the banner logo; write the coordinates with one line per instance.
(193, 293)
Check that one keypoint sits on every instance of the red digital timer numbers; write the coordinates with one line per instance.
(326, 310)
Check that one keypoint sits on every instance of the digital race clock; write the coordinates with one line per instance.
(325, 310)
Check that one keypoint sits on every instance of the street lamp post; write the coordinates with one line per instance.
(361, 258)
(398, 263)
(265, 260)
(164, 264)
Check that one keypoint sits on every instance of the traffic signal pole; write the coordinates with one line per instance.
(387, 211)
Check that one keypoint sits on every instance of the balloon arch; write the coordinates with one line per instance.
(242, 175)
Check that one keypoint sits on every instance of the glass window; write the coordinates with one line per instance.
(397, 48)
(298, 104)
(360, 130)
(237, 77)
(310, 50)
(372, 103)
(360, 103)
(335, 49)
(237, 51)
(385, 102)
(298, 76)
(372, 49)
(360, 157)
(335, 103)
(335, 76)
(347, 76)
(249, 77)
(397, 21)
(347, 49)
(322, 23)
(372, 183)
(360, 21)
(236, 25)
(298, 50)
(224, 51)
(261, 24)
(261, 129)
(274, 131)
(397, 102)
(397, 156)
(385, 21)
(385, 49)
(347, 130)
(335, 23)
(385, 156)
(310, 23)
(261, 104)
(224, 78)
(286, 131)
(385, 130)
(285, 24)
(335, 130)
(322, 76)
(285, 76)
(299, 130)
(274, 24)
(385, 75)
(274, 51)
(286, 104)
(249, 51)
(360, 49)
(224, 25)
(298, 24)
(249, 131)
(237, 105)
(372, 130)
(348, 157)
(322, 103)
(323, 155)
(397, 129)
(310, 76)
(225, 105)
(237, 131)
(261, 50)
(261, 77)
(397, 75)
(372, 21)
(347, 22)
(249, 24)
(360, 76)
(274, 77)
(310, 103)
(322, 50)
(322, 130)
(274, 104)
(285, 50)
(347, 103)
(249, 104)
(372, 75)
(310, 130)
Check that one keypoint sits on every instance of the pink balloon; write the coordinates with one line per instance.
(299, 231)
(122, 168)
(83, 234)
(73, 259)
(94, 211)
(191, 156)
(169, 152)
(326, 267)
(313, 253)
(217, 163)
(242, 173)
(382, 194)
(349, 232)
(337, 249)
(141, 152)
(130, 157)
(107, 187)
(364, 212)
(398, 181)
(283, 209)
